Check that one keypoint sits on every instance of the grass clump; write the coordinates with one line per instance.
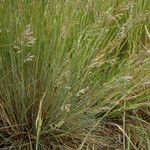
(74, 75)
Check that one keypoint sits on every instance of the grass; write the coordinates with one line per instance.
(74, 75)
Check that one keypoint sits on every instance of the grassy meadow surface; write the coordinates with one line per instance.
(75, 75)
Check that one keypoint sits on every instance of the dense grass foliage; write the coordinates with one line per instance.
(74, 74)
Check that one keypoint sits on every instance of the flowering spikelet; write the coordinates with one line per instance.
(82, 91)
(59, 124)
(127, 78)
(29, 58)
(27, 38)
(66, 107)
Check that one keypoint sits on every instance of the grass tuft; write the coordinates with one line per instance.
(74, 75)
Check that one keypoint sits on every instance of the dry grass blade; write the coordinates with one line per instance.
(39, 120)
(123, 131)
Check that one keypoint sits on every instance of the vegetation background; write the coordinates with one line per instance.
(74, 74)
